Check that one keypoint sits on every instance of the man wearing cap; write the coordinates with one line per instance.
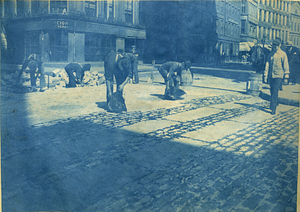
(294, 62)
(171, 72)
(277, 69)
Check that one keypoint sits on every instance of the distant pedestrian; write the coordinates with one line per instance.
(119, 66)
(277, 69)
(217, 54)
(171, 72)
(36, 70)
(75, 73)
(293, 55)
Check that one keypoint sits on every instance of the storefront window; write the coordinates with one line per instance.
(97, 46)
(93, 47)
(58, 44)
(31, 43)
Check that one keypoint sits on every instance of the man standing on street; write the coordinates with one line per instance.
(277, 69)
(119, 66)
(79, 70)
(293, 55)
(134, 65)
(171, 72)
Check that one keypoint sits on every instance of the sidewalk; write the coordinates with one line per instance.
(288, 96)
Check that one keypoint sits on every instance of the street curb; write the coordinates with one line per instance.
(291, 102)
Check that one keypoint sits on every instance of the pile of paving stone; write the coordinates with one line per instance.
(60, 79)
(57, 79)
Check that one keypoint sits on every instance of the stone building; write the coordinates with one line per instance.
(70, 31)
(228, 26)
(198, 31)
(295, 24)
(249, 20)
(263, 20)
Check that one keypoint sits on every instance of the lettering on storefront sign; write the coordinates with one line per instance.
(62, 24)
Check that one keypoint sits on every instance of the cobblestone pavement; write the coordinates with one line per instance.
(101, 165)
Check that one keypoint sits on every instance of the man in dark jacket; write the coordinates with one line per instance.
(79, 70)
(119, 66)
(171, 72)
(36, 70)
(293, 55)
(134, 66)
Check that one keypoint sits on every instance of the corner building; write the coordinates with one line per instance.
(192, 30)
(70, 31)
(295, 24)
(264, 20)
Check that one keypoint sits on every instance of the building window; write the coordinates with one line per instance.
(58, 44)
(243, 27)
(90, 8)
(58, 7)
(142, 13)
(111, 9)
(129, 11)
(35, 6)
(243, 6)
(31, 43)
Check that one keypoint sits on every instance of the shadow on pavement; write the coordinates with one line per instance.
(78, 165)
(223, 89)
(102, 105)
(160, 96)
(236, 76)
(262, 108)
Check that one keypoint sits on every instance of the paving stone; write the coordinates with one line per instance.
(172, 174)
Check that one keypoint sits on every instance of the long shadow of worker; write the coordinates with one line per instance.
(259, 107)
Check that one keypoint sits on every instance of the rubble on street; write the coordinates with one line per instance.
(56, 79)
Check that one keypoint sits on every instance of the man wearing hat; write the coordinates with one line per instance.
(294, 62)
(75, 73)
(277, 69)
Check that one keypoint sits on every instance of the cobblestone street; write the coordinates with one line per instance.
(214, 150)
